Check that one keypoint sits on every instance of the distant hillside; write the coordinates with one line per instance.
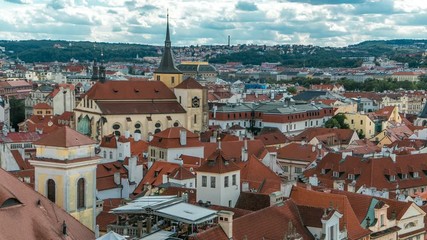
(63, 51)
(404, 50)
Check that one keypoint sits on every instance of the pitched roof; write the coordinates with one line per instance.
(218, 163)
(125, 107)
(268, 223)
(167, 64)
(64, 137)
(154, 175)
(170, 138)
(272, 138)
(130, 90)
(189, 83)
(298, 151)
(259, 176)
(343, 135)
(181, 173)
(310, 198)
(32, 216)
(42, 106)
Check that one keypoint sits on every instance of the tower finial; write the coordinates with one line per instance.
(167, 27)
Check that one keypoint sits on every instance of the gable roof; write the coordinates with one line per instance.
(259, 176)
(268, 223)
(130, 90)
(33, 216)
(64, 137)
(170, 138)
(310, 198)
(218, 163)
(343, 135)
(189, 83)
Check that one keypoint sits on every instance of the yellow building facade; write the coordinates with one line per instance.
(65, 172)
(361, 123)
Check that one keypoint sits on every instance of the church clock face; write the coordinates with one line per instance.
(195, 102)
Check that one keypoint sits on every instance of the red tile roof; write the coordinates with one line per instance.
(273, 138)
(268, 223)
(298, 151)
(64, 137)
(33, 216)
(170, 138)
(342, 136)
(259, 176)
(42, 106)
(218, 163)
(189, 83)
(16, 137)
(126, 107)
(181, 173)
(154, 175)
(130, 90)
(310, 198)
(105, 175)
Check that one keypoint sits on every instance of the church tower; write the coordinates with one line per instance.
(167, 71)
(65, 172)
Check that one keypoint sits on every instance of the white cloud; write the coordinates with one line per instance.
(319, 22)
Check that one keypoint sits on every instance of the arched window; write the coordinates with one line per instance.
(81, 193)
(51, 190)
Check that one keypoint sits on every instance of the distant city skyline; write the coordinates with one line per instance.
(318, 22)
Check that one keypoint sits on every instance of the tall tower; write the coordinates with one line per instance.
(65, 172)
(167, 71)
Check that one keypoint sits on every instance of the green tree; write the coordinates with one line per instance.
(17, 112)
(337, 121)
(291, 90)
(361, 134)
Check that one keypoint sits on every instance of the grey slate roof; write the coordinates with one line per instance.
(309, 95)
(167, 64)
(423, 113)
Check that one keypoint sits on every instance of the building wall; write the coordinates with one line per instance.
(358, 121)
(167, 79)
(185, 97)
(65, 153)
(147, 126)
(218, 195)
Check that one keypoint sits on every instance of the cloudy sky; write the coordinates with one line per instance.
(317, 22)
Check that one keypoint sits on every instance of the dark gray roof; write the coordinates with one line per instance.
(167, 64)
(196, 68)
(423, 113)
(309, 95)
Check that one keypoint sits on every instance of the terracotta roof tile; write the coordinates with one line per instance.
(130, 90)
(218, 163)
(189, 83)
(259, 176)
(33, 216)
(64, 137)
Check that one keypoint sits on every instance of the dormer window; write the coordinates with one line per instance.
(336, 174)
(392, 178)
(323, 171)
(404, 176)
(351, 176)
(415, 174)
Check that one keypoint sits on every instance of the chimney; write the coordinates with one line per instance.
(393, 157)
(117, 178)
(165, 178)
(273, 160)
(276, 198)
(137, 137)
(127, 134)
(64, 228)
(150, 137)
(245, 187)
(132, 168)
(183, 137)
(184, 197)
(214, 108)
(308, 186)
(244, 154)
(313, 148)
(225, 221)
(313, 180)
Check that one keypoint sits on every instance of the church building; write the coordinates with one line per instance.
(143, 108)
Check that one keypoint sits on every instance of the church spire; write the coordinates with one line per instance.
(167, 64)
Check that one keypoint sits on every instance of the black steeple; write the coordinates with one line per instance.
(102, 77)
(167, 64)
(95, 71)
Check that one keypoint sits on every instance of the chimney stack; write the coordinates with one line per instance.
(225, 220)
(276, 198)
(183, 137)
